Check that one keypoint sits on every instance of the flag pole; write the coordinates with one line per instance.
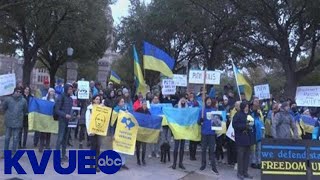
(203, 93)
(235, 74)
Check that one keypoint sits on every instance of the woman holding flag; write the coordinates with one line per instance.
(207, 136)
(179, 142)
(45, 137)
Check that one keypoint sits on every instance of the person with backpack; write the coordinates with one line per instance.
(63, 108)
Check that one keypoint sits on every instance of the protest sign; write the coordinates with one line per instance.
(262, 91)
(73, 123)
(308, 96)
(8, 83)
(284, 159)
(168, 87)
(100, 119)
(180, 80)
(83, 89)
(126, 134)
(197, 77)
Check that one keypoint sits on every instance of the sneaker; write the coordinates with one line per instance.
(139, 163)
(236, 166)
(215, 171)
(143, 162)
(240, 177)
(125, 167)
(157, 155)
(247, 176)
(202, 168)
(181, 166)
(149, 156)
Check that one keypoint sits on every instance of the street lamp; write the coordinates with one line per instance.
(69, 54)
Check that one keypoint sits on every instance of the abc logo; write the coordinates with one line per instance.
(109, 162)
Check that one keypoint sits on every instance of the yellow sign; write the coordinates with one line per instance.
(126, 133)
(100, 119)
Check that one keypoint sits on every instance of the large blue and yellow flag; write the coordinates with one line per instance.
(157, 60)
(40, 117)
(183, 123)
(242, 83)
(115, 78)
(149, 127)
(307, 123)
(140, 84)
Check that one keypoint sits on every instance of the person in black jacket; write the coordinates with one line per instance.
(243, 125)
(63, 109)
(24, 131)
(143, 110)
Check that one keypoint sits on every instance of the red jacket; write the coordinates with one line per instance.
(137, 105)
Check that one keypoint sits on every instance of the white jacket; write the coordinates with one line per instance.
(88, 116)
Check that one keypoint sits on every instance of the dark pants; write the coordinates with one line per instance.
(45, 140)
(143, 153)
(95, 146)
(76, 132)
(62, 136)
(177, 144)
(243, 160)
(36, 138)
(231, 152)
(82, 133)
(219, 148)
(193, 149)
(23, 136)
(14, 133)
(208, 140)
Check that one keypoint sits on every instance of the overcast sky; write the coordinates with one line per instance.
(120, 9)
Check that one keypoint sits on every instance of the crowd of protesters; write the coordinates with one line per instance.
(252, 121)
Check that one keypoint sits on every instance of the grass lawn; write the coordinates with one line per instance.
(1, 124)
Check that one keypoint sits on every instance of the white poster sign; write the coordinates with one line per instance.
(262, 91)
(197, 77)
(308, 96)
(83, 89)
(180, 80)
(230, 132)
(168, 87)
(8, 83)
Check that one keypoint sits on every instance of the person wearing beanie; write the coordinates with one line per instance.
(127, 99)
(283, 123)
(244, 129)
(45, 137)
(15, 108)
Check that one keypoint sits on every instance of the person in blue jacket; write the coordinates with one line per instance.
(245, 136)
(207, 136)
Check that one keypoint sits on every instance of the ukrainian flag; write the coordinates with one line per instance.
(140, 85)
(157, 60)
(183, 123)
(114, 77)
(40, 117)
(307, 123)
(149, 127)
(242, 83)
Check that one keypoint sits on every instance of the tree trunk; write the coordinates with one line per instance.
(52, 73)
(291, 83)
(27, 69)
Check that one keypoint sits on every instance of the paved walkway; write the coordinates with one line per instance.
(154, 170)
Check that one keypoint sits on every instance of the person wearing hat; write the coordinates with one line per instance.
(45, 137)
(15, 108)
(283, 123)
(143, 109)
(127, 99)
